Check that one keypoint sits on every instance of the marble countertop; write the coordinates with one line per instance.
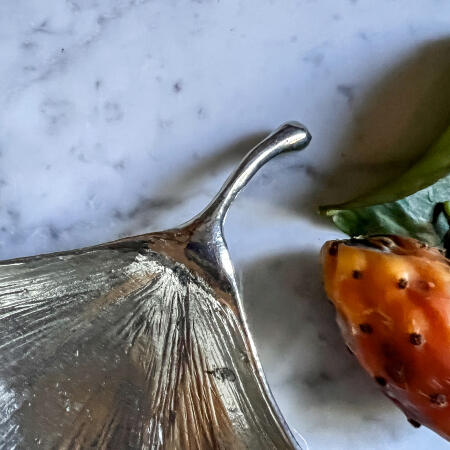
(125, 116)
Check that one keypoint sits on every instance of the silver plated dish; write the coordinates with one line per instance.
(140, 343)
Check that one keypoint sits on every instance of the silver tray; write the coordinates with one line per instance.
(140, 343)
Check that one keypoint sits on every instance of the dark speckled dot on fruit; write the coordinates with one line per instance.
(414, 423)
(415, 339)
(357, 274)
(366, 328)
(381, 381)
(333, 250)
(439, 400)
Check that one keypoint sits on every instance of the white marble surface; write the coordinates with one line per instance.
(125, 116)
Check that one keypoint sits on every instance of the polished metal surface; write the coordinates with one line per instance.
(140, 343)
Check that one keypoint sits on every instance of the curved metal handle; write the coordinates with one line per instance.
(207, 244)
(288, 137)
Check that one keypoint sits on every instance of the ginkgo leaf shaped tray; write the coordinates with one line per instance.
(140, 343)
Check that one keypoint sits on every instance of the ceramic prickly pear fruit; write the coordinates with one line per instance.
(392, 297)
